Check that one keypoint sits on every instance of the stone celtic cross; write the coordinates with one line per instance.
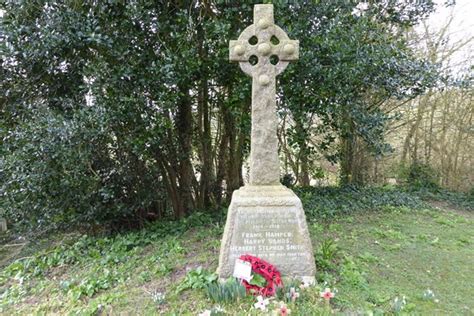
(265, 219)
(263, 51)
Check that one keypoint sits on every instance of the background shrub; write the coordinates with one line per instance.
(422, 175)
(60, 171)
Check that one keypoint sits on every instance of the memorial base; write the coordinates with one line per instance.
(268, 222)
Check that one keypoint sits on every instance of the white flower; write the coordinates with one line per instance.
(158, 297)
(219, 309)
(205, 313)
(293, 295)
(399, 304)
(305, 284)
(261, 303)
(428, 295)
(360, 8)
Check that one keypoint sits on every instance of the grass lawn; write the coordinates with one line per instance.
(373, 258)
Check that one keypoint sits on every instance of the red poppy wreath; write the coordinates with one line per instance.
(270, 274)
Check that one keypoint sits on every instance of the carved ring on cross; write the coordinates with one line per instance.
(263, 48)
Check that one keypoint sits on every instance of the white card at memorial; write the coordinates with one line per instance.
(242, 270)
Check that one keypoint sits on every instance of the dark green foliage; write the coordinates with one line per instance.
(258, 280)
(327, 202)
(226, 292)
(120, 112)
(197, 279)
(349, 65)
(326, 255)
(288, 180)
(97, 111)
(63, 171)
(454, 199)
(423, 181)
(422, 176)
(108, 257)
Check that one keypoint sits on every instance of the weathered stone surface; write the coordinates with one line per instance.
(266, 219)
(267, 222)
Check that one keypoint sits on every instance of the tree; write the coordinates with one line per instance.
(435, 125)
(353, 60)
(125, 111)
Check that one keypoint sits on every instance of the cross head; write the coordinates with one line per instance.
(263, 48)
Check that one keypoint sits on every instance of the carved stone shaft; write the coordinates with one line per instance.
(264, 160)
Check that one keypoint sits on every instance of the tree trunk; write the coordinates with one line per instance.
(220, 165)
(204, 125)
(184, 128)
(303, 174)
(413, 132)
(236, 138)
(171, 183)
(232, 179)
(430, 136)
(347, 150)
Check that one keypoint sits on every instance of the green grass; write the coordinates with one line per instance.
(384, 250)
(401, 252)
